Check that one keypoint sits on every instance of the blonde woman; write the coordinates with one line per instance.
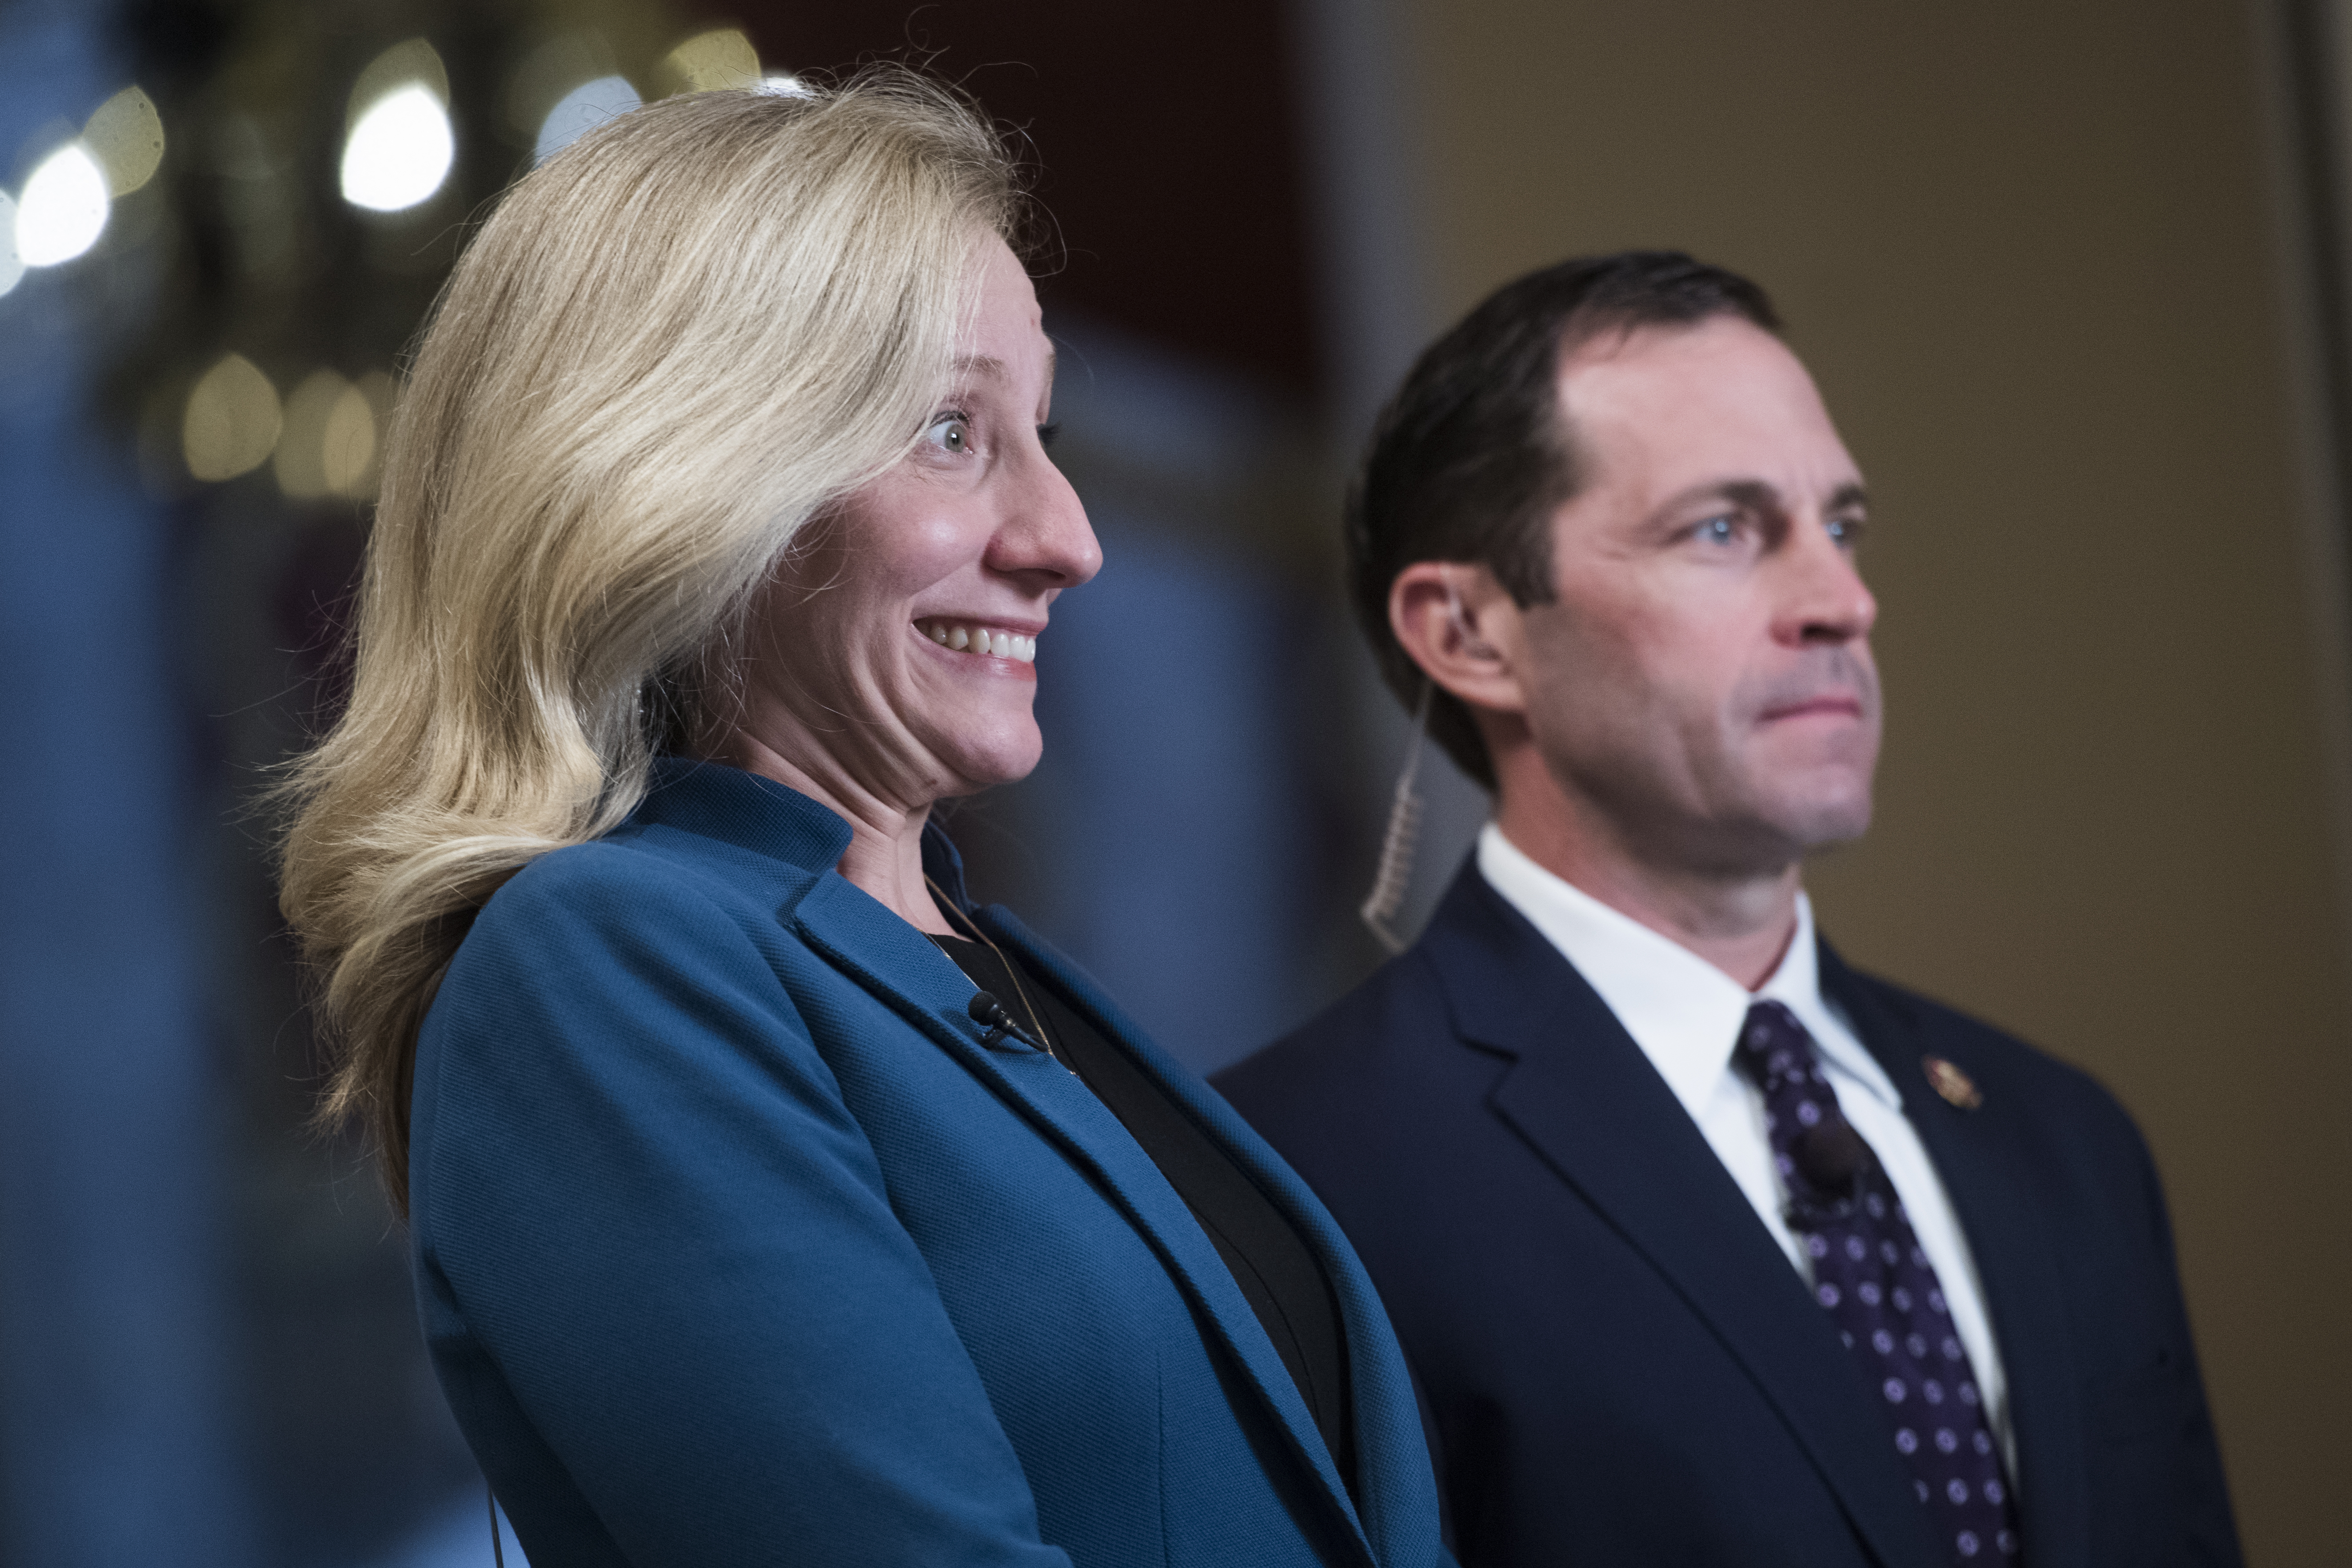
(771, 1201)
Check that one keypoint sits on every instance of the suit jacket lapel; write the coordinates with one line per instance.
(898, 966)
(1980, 1155)
(1582, 1092)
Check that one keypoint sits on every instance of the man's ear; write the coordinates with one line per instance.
(1456, 622)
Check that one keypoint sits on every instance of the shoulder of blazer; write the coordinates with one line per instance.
(1448, 1017)
(742, 836)
(1901, 1028)
(1477, 973)
(708, 844)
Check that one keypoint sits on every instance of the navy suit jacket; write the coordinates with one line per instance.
(1617, 1362)
(735, 1244)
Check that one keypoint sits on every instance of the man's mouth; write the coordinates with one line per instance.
(1831, 704)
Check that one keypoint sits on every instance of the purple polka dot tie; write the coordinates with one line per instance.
(1871, 1274)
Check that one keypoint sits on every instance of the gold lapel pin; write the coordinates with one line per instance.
(1954, 1085)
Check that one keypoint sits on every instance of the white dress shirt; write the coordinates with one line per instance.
(1685, 1015)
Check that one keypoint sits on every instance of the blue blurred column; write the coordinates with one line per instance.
(1175, 821)
(118, 1429)
(1170, 831)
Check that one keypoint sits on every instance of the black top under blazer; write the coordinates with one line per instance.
(1616, 1362)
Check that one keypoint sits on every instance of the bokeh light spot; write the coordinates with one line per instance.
(414, 61)
(399, 151)
(233, 420)
(581, 111)
(713, 61)
(63, 209)
(301, 462)
(350, 447)
(126, 135)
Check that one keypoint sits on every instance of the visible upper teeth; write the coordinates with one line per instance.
(981, 640)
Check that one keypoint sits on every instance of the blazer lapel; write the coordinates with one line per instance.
(1583, 1095)
(901, 966)
(1981, 1156)
(1191, 1252)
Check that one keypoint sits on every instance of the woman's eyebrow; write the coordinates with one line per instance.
(994, 369)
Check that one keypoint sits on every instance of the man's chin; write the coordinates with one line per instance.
(1821, 825)
(1816, 802)
(1780, 830)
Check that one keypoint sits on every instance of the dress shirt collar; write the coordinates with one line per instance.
(1683, 1011)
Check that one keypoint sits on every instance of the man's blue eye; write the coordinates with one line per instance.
(1719, 530)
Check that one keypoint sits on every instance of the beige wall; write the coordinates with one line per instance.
(2031, 254)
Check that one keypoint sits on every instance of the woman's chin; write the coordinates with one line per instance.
(984, 762)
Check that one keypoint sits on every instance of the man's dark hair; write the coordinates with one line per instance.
(1470, 459)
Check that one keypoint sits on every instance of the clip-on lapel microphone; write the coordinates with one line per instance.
(986, 1009)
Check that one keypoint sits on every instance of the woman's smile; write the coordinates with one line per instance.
(982, 639)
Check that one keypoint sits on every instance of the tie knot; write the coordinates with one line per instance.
(1774, 1045)
(1821, 1157)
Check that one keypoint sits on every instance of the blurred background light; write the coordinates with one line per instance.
(581, 109)
(414, 60)
(233, 420)
(327, 446)
(398, 145)
(400, 150)
(711, 62)
(126, 136)
(302, 444)
(64, 207)
(352, 443)
(12, 266)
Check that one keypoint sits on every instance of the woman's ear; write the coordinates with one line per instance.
(1456, 622)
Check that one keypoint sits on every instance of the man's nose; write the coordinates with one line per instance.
(1827, 600)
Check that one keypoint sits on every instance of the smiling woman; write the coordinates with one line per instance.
(772, 1200)
(920, 600)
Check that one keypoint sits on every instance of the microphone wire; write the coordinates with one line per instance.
(1393, 878)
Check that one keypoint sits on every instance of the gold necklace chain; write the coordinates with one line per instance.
(1020, 991)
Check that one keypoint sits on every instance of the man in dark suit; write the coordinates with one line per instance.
(1704, 1247)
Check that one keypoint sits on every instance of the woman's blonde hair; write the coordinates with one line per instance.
(668, 347)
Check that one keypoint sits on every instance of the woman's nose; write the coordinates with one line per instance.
(1045, 532)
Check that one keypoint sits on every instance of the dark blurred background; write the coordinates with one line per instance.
(2072, 278)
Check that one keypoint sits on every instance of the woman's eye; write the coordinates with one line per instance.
(1719, 530)
(951, 433)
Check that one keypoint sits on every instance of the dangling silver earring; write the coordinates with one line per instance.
(1393, 880)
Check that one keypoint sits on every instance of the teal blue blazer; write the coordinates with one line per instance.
(735, 1244)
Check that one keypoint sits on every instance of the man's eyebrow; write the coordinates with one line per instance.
(1759, 494)
(1756, 494)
